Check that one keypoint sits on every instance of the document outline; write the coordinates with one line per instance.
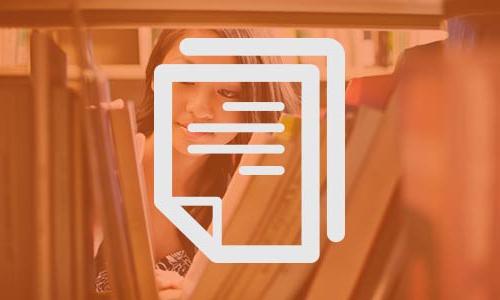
(308, 75)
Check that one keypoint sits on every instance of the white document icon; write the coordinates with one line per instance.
(308, 75)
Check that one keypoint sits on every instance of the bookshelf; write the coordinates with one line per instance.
(133, 24)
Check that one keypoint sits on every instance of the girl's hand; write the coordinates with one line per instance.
(168, 280)
(172, 294)
(169, 284)
(139, 137)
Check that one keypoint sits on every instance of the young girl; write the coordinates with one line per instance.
(198, 175)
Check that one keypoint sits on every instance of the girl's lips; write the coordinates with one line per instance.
(194, 135)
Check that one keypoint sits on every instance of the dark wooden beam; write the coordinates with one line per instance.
(184, 18)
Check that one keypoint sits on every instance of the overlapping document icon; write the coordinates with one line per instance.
(308, 75)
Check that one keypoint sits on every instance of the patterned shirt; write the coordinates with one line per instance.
(178, 261)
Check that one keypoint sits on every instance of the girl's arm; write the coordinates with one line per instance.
(169, 284)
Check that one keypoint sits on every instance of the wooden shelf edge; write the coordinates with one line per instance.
(368, 71)
(112, 72)
(136, 72)
(14, 70)
(117, 18)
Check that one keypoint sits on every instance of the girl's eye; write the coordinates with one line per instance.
(228, 93)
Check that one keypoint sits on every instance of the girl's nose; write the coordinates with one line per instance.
(199, 106)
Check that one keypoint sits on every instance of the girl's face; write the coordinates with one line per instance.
(201, 102)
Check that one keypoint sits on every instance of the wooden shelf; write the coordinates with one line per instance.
(339, 6)
(430, 7)
(133, 72)
(287, 13)
(369, 71)
(136, 72)
(113, 71)
(133, 18)
(15, 70)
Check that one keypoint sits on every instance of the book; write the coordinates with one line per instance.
(219, 280)
(62, 211)
(134, 198)
(48, 74)
(17, 188)
(59, 156)
(80, 206)
(267, 213)
(279, 286)
(104, 183)
(360, 141)
(368, 200)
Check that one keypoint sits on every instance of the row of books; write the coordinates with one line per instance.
(61, 179)
(14, 47)
(69, 168)
(364, 49)
(368, 51)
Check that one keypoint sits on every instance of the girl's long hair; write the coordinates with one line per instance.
(218, 170)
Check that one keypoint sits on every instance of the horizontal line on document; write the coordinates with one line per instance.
(261, 170)
(236, 149)
(253, 106)
(236, 127)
